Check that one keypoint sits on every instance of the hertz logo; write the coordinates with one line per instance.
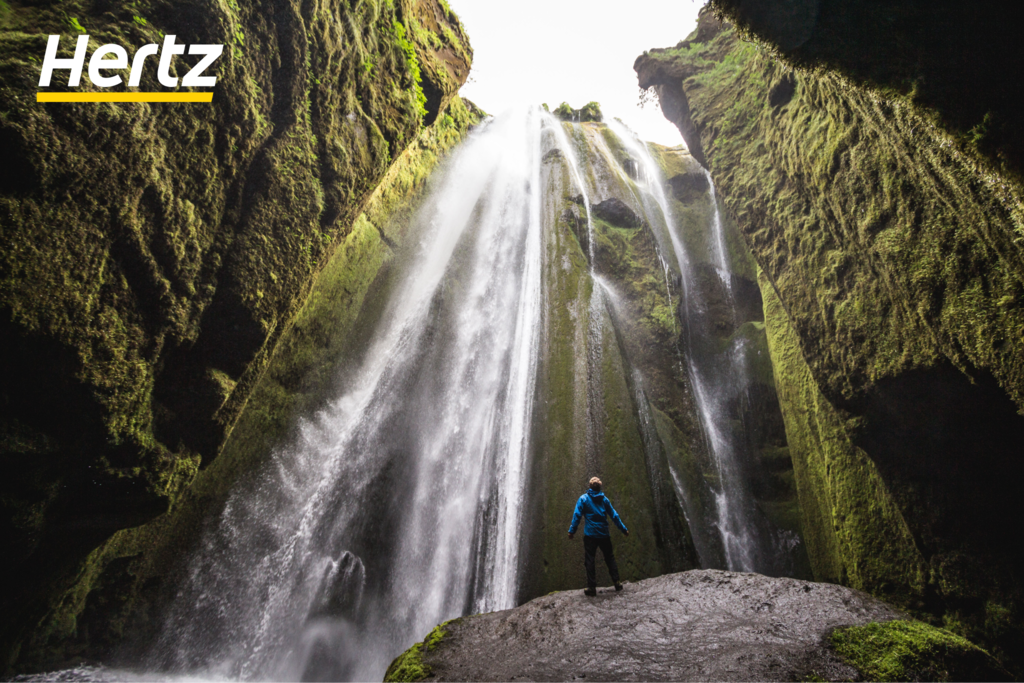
(111, 57)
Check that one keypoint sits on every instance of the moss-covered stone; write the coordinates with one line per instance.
(590, 416)
(588, 112)
(914, 651)
(854, 532)
(409, 666)
(156, 254)
(946, 61)
(615, 398)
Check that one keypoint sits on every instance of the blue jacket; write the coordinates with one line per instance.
(593, 506)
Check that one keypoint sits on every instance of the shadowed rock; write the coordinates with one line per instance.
(689, 187)
(616, 211)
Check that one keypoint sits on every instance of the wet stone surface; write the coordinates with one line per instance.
(696, 625)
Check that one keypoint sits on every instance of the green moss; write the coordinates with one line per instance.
(615, 145)
(672, 160)
(589, 112)
(409, 666)
(913, 651)
(828, 136)
(413, 65)
(561, 446)
(591, 407)
(853, 530)
(168, 178)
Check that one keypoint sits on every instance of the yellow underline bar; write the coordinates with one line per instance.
(124, 97)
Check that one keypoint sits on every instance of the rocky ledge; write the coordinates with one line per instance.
(696, 625)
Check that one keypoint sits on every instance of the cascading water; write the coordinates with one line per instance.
(720, 382)
(399, 505)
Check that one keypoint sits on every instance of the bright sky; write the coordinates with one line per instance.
(571, 50)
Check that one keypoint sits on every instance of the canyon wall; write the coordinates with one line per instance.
(156, 256)
(890, 248)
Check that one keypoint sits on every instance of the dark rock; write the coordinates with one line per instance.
(689, 187)
(552, 155)
(616, 211)
(697, 625)
(666, 76)
(782, 92)
(631, 168)
(341, 590)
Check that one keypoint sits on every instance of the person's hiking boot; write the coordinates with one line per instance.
(590, 592)
(618, 586)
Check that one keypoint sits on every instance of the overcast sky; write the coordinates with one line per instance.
(573, 51)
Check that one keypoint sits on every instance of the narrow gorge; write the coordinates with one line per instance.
(298, 380)
(559, 309)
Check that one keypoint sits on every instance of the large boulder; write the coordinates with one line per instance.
(696, 625)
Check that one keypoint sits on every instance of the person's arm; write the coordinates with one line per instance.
(615, 517)
(577, 513)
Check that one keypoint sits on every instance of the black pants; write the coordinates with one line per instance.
(590, 546)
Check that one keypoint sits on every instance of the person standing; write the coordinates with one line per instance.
(595, 508)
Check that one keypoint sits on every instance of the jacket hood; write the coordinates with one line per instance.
(595, 494)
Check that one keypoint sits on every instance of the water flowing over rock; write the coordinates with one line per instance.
(548, 311)
(417, 467)
(155, 256)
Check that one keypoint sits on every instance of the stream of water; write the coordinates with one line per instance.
(720, 380)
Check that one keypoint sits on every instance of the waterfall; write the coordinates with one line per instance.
(718, 378)
(399, 505)
(403, 501)
(718, 233)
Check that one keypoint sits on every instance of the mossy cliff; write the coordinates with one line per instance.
(120, 588)
(951, 63)
(614, 398)
(157, 256)
(589, 420)
(891, 253)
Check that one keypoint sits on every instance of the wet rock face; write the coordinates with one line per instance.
(615, 211)
(697, 625)
(689, 187)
